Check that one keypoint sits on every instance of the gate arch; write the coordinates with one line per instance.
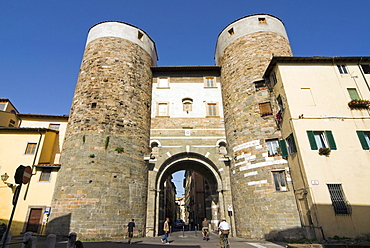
(184, 161)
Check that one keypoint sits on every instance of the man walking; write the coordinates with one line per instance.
(130, 230)
(166, 229)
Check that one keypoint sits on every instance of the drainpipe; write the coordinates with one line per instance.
(33, 163)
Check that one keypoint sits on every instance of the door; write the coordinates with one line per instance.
(34, 220)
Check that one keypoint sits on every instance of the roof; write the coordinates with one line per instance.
(44, 116)
(316, 59)
(185, 68)
(28, 129)
(7, 100)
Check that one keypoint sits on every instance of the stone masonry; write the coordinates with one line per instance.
(103, 182)
(260, 211)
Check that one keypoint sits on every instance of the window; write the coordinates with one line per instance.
(364, 137)
(209, 82)
(366, 69)
(353, 94)
(259, 85)
(45, 175)
(272, 147)
(280, 103)
(187, 104)
(11, 123)
(279, 180)
(231, 31)
(54, 126)
(273, 79)
(321, 139)
(162, 109)
(262, 20)
(140, 35)
(31, 148)
(342, 69)
(340, 204)
(287, 146)
(265, 109)
(93, 105)
(163, 82)
(211, 109)
(291, 144)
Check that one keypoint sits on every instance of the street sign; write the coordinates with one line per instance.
(230, 207)
(27, 175)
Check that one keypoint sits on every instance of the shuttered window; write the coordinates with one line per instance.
(265, 109)
(364, 137)
(321, 139)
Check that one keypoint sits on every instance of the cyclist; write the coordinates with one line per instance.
(224, 229)
(205, 229)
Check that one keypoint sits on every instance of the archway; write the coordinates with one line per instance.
(214, 200)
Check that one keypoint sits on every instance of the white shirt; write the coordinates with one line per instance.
(224, 226)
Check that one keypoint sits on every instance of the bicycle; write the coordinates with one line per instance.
(225, 241)
(206, 234)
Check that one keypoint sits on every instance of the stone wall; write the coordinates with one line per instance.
(103, 180)
(260, 210)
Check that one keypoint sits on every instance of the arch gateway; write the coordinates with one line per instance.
(132, 124)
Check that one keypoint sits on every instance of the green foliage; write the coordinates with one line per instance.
(120, 149)
(92, 155)
(106, 142)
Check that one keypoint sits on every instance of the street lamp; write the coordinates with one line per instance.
(4, 177)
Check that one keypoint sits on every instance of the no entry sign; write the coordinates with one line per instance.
(23, 174)
(27, 175)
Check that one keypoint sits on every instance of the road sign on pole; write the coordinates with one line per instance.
(27, 175)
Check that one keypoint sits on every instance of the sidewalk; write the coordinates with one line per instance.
(188, 239)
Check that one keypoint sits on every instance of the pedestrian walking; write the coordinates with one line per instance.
(130, 230)
(166, 229)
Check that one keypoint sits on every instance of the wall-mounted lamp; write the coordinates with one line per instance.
(5, 177)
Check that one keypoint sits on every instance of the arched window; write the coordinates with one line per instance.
(187, 104)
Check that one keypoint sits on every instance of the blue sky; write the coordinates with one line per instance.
(42, 42)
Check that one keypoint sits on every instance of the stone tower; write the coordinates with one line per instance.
(103, 180)
(244, 49)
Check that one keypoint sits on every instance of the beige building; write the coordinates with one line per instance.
(324, 118)
(35, 141)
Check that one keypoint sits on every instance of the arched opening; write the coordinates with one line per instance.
(203, 192)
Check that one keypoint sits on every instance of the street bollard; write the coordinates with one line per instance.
(29, 241)
(51, 240)
(183, 231)
(72, 240)
(7, 240)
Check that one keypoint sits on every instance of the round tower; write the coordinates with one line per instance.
(244, 49)
(102, 183)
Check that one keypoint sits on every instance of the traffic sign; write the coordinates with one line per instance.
(27, 175)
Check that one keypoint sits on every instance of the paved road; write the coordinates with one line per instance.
(177, 240)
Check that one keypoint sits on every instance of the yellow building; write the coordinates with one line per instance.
(35, 141)
(325, 122)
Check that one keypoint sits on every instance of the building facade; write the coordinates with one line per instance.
(263, 128)
(324, 118)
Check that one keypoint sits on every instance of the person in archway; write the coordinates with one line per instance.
(130, 230)
(224, 229)
(205, 229)
(166, 229)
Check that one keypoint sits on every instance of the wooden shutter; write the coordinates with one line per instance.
(363, 141)
(283, 148)
(331, 141)
(311, 139)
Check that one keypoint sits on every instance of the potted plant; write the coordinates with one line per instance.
(324, 151)
(359, 103)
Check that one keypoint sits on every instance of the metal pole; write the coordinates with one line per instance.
(15, 200)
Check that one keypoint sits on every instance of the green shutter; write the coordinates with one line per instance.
(294, 147)
(363, 141)
(331, 141)
(283, 148)
(311, 139)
